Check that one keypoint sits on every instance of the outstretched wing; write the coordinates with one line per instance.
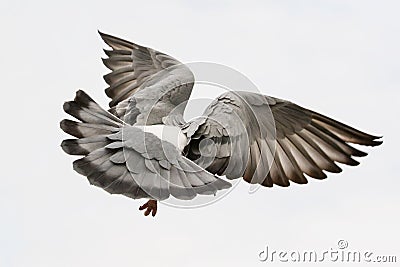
(144, 85)
(270, 141)
(122, 159)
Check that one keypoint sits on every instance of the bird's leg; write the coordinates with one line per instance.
(150, 206)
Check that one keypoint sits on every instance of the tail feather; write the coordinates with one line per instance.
(81, 130)
(84, 108)
(88, 115)
(97, 158)
(93, 126)
(85, 145)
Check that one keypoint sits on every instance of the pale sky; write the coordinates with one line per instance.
(339, 58)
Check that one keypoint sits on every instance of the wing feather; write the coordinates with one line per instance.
(285, 140)
(122, 159)
(163, 82)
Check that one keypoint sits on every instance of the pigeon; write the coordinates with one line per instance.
(141, 147)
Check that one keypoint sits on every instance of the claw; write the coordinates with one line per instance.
(150, 206)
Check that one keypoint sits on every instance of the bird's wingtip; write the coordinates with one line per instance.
(102, 34)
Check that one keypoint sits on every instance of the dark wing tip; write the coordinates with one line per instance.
(67, 106)
(70, 127)
(345, 132)
(82, 166)
(64, 124)
(107, 52)
(107, 79)
(376, 142)
(72, 147)
(373, 140)
(335, 169)
(106, 63)
(376, 136)
(369, 141)
(115, 42)
(65, 147)
(358, 153)
(352, 162)
(82, 98)
(103, 35)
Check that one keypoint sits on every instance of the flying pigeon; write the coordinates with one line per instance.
(141, 147)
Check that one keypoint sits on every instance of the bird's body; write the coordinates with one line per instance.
(143, 148)
(168, 133)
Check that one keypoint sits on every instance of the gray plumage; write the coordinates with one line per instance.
(276, 142)
(263, 139)
(123, 159)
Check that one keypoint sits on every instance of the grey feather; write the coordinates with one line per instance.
(306, 142)
(123, 159)
(163, 82)
(263, 139)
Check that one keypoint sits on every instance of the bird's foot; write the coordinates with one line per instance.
(150, 206)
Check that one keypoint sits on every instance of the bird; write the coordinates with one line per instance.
(142, 147)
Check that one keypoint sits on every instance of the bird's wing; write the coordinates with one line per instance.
(122, 159)
(144, 85)
(270, 141)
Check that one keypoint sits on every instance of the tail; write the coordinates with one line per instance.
(133, 169)
(92, 130)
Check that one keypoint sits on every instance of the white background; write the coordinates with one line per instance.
(340, 58)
